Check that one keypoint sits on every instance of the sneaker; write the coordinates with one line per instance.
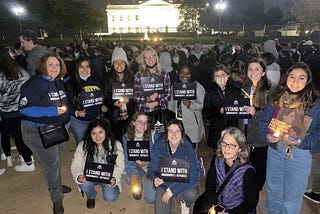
(311, 195)
(3, 156)
(202, 169)
(9, 161)
(184, 208)
(2, 171)
(24, 167)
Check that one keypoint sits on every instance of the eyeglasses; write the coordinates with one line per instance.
(229, 145)
(142, 122)
(150, 57)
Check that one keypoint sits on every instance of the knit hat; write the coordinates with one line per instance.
(119, 53)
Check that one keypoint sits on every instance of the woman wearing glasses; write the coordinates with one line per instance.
(240, 194)
(156, 102)
(138, 130)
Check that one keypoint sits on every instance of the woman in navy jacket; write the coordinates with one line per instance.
(174, 144)
(289, 161)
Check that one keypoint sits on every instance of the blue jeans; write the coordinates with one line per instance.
(189, 196)
(286, 180)
(109, 193)
(78, 128)
(149, 192)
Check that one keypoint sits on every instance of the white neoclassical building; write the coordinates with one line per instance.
(148, 16)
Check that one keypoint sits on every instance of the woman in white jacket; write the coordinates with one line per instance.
(191, 110)
(98, 146)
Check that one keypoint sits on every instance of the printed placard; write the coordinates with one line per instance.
(151, 85)
(93, 98)
(234, 108)
(289, 122)
(122, 90)
(138, 150)
(97, 172)
(184, 91)
(175, 169)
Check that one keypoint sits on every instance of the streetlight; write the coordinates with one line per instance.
(18, 11)
(220, 6)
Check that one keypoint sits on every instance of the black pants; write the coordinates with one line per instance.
(12, 127)
(258, 160)
(198, 205)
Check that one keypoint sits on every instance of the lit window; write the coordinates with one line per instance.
(129, 18)
(137, 18)
(129, 29)
(137, 29)
(121, 18)
(113, 19)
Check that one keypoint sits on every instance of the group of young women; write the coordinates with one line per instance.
(235, 177)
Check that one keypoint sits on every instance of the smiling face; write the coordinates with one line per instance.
(185, 74)
(255, 72)
(98, 135)
(150, 58)
(52, 67)
(174, 135)
(119, 65)
(229, 148)
(141, 124)
(84, 69)
(297, 80)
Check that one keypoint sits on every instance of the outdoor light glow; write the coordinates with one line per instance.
(18, 10)
(220, 6)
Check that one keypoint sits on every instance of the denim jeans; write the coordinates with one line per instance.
(78, 128)
(286, 180)
(149, 191)
(109, 193)
(189, 196)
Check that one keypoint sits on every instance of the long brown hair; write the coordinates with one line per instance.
(309, 95)
(261, 91)
(131, 128)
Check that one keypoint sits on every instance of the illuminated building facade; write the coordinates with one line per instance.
(148, 16)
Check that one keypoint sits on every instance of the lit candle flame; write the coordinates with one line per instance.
(212, 211)
(136, 188)
(276, 133)
(121, 100)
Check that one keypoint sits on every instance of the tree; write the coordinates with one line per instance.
(190, 12)
(273, 16)
(307, 12)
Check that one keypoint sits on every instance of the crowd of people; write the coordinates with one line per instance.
(77, 86)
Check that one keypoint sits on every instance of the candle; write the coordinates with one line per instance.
(276, 133)
(64, 108)
(212, 211)
(121, 100)
(135, 189)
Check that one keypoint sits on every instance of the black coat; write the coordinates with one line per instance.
(213, 102)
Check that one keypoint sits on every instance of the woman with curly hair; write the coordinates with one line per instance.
(98, 146)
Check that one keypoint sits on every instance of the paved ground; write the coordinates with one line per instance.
(26, 193)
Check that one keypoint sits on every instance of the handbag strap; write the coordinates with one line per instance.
(226, 181)
(55, 82)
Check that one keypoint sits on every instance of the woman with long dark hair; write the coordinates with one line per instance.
(288, 160)
(12, 78)
(85, 98)
(98, 146)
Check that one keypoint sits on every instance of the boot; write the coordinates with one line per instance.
(58, 208)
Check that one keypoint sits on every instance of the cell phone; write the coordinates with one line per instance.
(219, 208)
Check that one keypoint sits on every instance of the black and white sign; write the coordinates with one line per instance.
(97, 172)
(185, 91)
(122, 90)
(151, 85)
(93, 98)
(175, 169)
(138, 150)
(234, 108)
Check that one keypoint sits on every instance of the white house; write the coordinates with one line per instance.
(150, 16)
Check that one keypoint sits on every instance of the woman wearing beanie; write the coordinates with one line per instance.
(119, 110)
